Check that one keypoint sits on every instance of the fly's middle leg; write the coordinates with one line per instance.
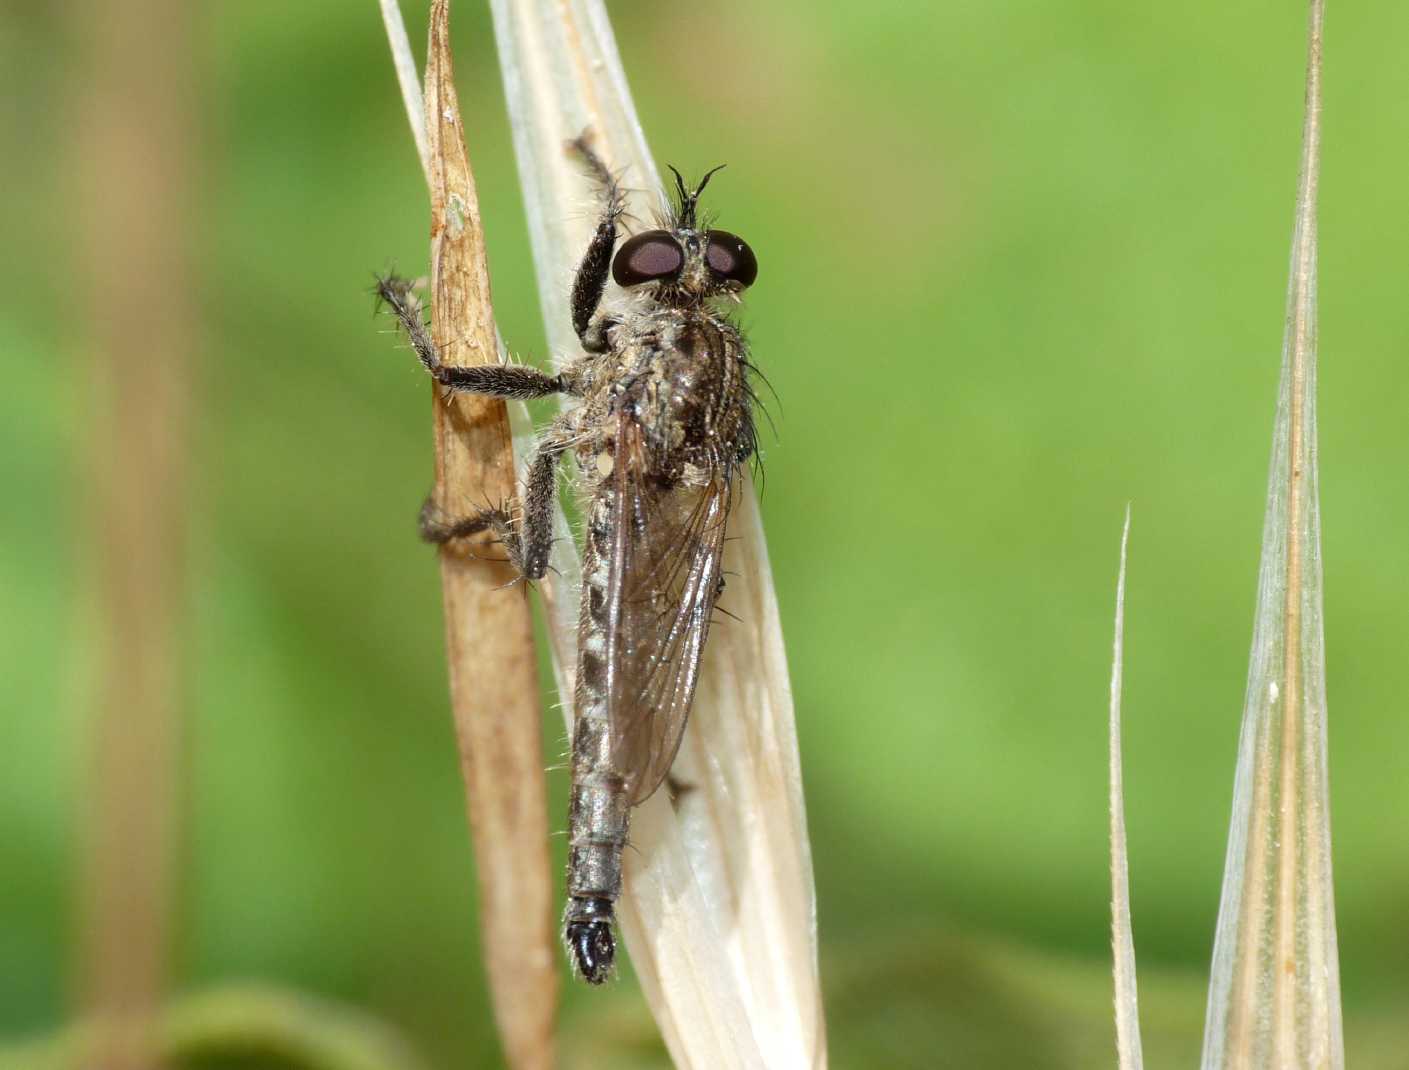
(591, 279)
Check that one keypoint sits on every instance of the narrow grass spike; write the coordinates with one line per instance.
(1127, 1010)
(1274, 992)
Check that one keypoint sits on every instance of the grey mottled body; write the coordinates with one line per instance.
(678, 378)
(665, 419)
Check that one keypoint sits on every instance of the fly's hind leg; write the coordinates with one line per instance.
(527, 544)
(591, 279)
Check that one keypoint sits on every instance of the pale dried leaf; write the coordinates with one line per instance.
(719, 911)
(407, 79)
(1274, 994)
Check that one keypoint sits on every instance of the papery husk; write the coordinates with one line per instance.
(719, 911)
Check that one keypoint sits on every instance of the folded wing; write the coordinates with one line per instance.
(663, 579)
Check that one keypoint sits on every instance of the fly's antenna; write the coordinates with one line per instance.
(685, 214)
(685, 201)
(705, 181)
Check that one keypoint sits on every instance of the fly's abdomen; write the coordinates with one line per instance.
(598, 808)
(597, 815)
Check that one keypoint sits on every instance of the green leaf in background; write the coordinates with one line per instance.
(1019, 264)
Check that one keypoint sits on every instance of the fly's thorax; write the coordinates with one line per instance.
(680, 375)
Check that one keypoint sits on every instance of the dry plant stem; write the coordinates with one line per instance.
(719, 912)
(134, 131)
(488, 626)
(1274, 998)
(1127, 1010)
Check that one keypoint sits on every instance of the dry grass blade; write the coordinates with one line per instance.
(719, 911)
(488, 627)
(1274, 995)
(410, 85)
(1127, 1009)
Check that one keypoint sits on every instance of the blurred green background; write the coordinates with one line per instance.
(1021, 263)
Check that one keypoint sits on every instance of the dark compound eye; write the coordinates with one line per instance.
(729, 257)
(647, 257)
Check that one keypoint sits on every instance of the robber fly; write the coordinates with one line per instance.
(663, 424)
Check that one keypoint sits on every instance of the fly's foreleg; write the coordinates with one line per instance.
(527, 544)
(499, 380)
(493, 380)
(591, 279)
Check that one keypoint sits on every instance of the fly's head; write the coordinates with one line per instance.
(682, 264)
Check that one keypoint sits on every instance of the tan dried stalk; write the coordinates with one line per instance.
(1274, 996)
(133, 150)
(488, 625)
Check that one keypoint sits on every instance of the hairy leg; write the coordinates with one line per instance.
(591, 279)
(495, 380)
(528, 546)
